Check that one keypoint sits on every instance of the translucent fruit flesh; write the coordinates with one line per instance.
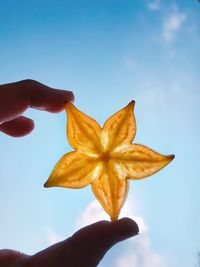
(105, 157)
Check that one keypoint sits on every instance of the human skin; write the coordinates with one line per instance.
(86, 247)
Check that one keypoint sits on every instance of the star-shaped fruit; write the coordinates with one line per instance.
(105, 157)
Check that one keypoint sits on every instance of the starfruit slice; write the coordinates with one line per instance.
(105, 157)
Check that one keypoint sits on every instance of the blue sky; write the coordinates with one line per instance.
(108, 52)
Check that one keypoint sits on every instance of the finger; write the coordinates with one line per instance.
(18, 127)
(87, 246)
(15, 98)
(95, 240)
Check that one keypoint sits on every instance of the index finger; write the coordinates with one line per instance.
(16, 97)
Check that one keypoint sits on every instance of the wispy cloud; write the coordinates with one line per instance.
(173, 24)
(154, 5)
(138, 251)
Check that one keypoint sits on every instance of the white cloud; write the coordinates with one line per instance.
(138, 251)
(172, 25)
(53, 237)
(92, 213)
(154, 5)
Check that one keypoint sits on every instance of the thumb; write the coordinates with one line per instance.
(86, 247)
(95, 240)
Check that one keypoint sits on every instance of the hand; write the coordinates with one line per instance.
(85, 248)
(15, 98)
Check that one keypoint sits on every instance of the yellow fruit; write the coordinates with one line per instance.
(105, 157)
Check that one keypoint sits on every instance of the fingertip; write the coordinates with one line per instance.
(71, 98)
(58, 100)
(24, 127)
(93, 241)
(127, 227)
